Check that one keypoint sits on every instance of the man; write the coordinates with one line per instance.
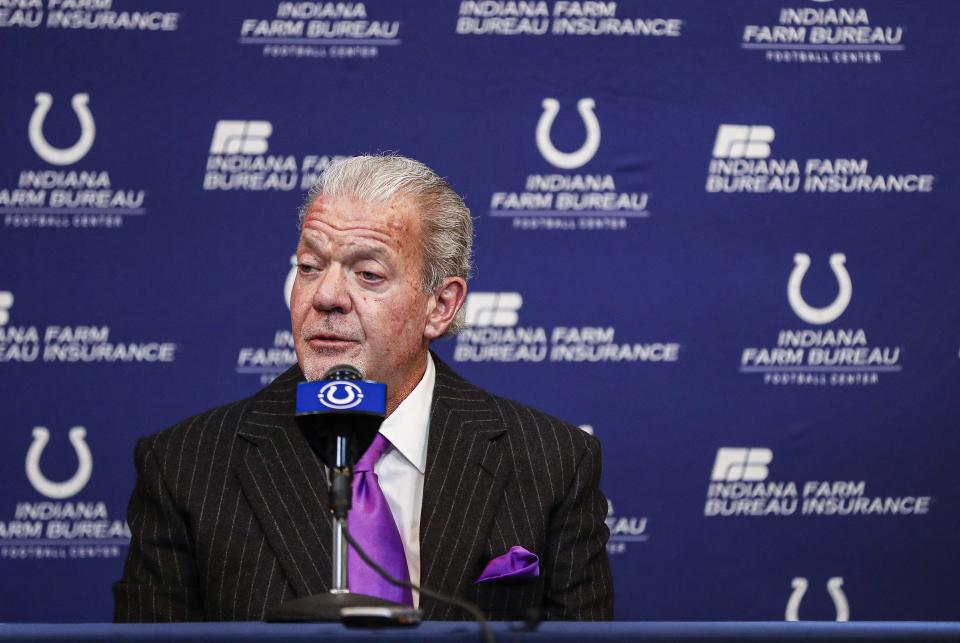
(230, 514)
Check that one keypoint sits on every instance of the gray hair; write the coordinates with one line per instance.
(447, 241)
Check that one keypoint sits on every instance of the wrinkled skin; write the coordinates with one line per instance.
(358, 297)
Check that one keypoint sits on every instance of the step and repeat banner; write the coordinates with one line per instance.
(720, 235)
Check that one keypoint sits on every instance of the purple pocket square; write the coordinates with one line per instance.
(516, 564)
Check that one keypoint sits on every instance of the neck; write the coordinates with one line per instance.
(399, 391)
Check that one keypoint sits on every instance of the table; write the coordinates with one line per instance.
(450, 632)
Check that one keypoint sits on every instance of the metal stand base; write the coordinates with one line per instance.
(322, 607)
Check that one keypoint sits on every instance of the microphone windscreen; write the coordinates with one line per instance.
(343, 372)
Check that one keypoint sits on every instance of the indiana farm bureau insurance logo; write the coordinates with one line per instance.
(240, 158)
(493, 333)
(744, 163)
(561, 19)
(107, 16)
(24, 342)
(821, 354)
(741, 485)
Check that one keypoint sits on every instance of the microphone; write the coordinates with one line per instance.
(340, 415)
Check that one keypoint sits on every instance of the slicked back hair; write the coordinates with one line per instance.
(447, 227)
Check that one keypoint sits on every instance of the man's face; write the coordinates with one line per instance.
(358, 297)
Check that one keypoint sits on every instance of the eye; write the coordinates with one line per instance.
(369, 277)
(306, 268)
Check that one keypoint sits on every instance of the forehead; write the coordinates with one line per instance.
(393, 222)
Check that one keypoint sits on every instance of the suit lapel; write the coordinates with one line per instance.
(286, 486)
(467, 467)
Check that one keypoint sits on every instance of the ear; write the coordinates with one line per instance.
(442, 306)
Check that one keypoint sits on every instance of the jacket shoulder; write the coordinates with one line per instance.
(202, 436)
(521, 419)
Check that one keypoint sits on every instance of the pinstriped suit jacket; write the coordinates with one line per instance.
(230, 515)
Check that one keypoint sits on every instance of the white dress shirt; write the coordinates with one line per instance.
(401, 469)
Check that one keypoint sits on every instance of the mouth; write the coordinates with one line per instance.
(328, 342)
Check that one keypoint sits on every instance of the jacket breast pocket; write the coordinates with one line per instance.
(507, 599)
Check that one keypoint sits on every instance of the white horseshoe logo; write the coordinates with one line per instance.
(568, 160)
(74, 485)
(342, 401)
(54, 155)
(291, 277)
(834, 586)
(799, 585)
(826, 314)
(352, 395)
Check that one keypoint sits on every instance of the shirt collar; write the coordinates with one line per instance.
(407, 427)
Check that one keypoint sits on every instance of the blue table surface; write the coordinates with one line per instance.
(460, 631)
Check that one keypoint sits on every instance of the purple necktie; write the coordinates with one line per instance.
(372, 525)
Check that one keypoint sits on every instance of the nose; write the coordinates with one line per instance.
(330, 291)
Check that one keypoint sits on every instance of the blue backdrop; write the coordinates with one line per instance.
(722, 236)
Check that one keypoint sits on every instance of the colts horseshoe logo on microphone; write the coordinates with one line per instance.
(568, 160)
(68, 488)
(55, 155)
(340, 395)
(807, 312)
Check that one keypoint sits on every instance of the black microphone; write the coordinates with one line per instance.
(340, 415)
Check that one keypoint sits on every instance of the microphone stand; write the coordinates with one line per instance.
(340, 476)
(327, 606)
(339, 427)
